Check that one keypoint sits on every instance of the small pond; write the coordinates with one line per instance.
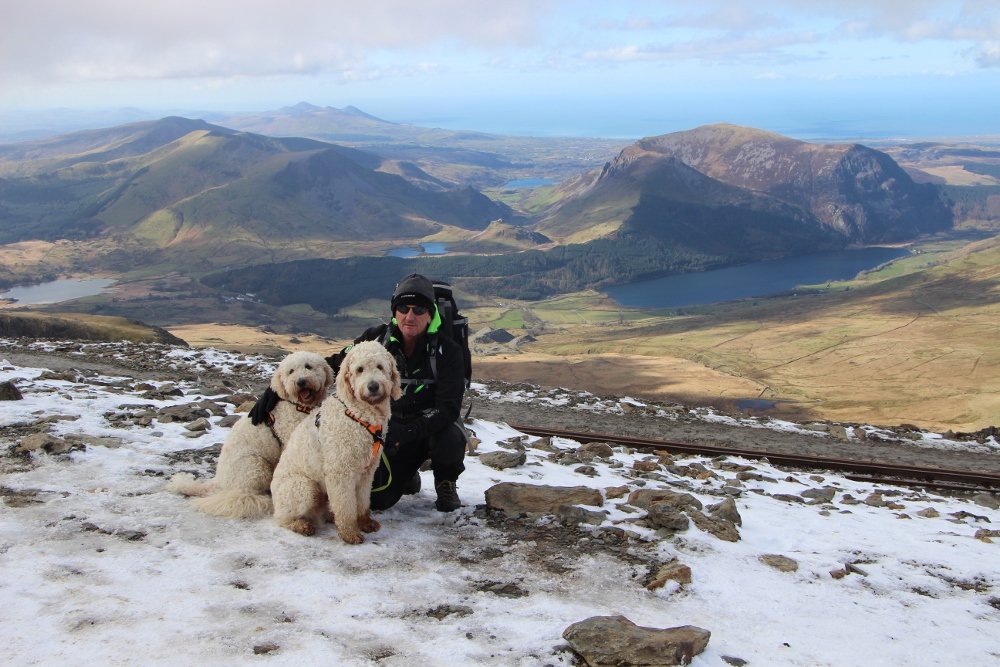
(57, 290)
(430, 248)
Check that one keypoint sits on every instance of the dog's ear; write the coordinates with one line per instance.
(397, 391)
(344, 385)
(329, 374)
(276, 381)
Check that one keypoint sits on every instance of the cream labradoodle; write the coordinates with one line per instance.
(242, 479)
(330, 466)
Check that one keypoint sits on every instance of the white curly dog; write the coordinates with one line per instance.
(242, 479)
(331, 465)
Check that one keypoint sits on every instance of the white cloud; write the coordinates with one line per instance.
(70, 40)
(988, 55)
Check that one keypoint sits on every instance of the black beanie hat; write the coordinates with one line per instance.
(415, 290)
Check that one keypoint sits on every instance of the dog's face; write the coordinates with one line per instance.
(368, 373)
(303, 378)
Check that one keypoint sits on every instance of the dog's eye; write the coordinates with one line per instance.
(379, 366)
(360, 369)
(309, 367)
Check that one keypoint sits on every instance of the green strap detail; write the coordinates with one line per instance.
(385, 460)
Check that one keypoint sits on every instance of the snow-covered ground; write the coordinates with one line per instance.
(99, 565)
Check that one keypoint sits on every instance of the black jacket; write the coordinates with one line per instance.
(432, 405)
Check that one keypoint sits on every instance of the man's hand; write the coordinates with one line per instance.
(259, 413)
(399, 435)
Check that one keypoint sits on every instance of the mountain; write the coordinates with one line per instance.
(859, 192)
(183, 190)
(646, 195)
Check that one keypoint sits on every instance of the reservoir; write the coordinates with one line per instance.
(529, 182)
(57, 290)
(430, 248)
(749, 280)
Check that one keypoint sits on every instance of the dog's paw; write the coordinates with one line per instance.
(302, 527)
(353, 537)
(368, 524)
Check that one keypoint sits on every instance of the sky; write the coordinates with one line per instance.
(542, 67)
(103, 566)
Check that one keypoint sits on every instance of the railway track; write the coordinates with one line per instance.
(869, 471)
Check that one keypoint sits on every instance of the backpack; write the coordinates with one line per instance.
(454, 325)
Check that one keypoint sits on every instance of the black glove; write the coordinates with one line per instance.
(400, 435)
(264, 405)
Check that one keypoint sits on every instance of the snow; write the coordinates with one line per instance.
(199, 590)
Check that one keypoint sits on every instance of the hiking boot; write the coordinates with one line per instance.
(413, 486)
(447, 496)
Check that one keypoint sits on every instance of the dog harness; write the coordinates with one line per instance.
(378, 439)
(269, 420)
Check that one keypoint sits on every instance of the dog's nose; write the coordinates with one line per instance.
(374, 388)
(302, 382)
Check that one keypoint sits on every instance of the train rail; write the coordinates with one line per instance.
(870, 471)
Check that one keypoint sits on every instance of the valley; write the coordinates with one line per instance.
(263, 235)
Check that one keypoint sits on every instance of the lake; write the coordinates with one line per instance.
(57, 290)
(431, 248)
(529, 182)
(749, 280)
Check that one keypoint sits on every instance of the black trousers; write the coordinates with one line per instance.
(445, 449)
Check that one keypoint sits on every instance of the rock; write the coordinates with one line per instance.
(875, 500)
(986, 500)
(228, 420)
(672, 571)
(837, 431)
(664, 515)
(246, 406)
(502, 460)
(779, 562)
(929, 513)
(613, 492)
(515, 497)
(9, 392)
(181, 413)
(615, 640)
(646, 466)
(589, 471)
(43, 441)
(724, 530)
(544, 444)
(201, 424)
(645, 497)
(443, 611)
(64, 376)
(264, 649)
(819, 496)
(734, 661)
(838, 574)
(91, 441)
(788, 497)
(601, 449)
(238, 399)
(987, 533)
(51, 419)
(726, 510)
(573, 516)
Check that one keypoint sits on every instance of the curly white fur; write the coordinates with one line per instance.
(242, 479)
(332, 466)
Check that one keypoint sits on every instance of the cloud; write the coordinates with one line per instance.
(988, 55)
(70, 40)
(729, 47)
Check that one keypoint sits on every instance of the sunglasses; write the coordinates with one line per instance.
(417, 310)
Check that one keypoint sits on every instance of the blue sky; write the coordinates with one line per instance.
(875, 68)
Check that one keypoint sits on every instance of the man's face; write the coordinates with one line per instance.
(410, 324)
